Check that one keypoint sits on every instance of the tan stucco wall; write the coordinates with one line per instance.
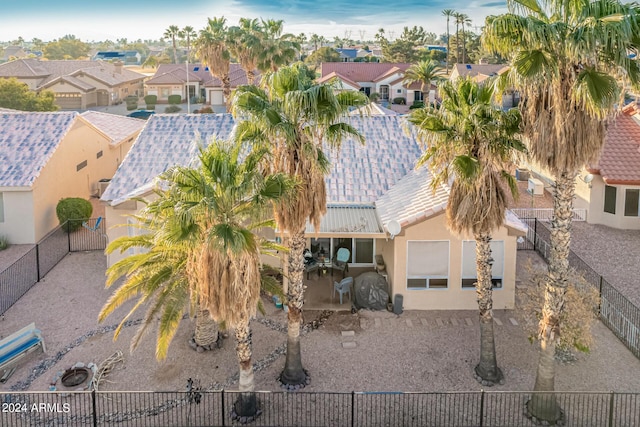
(116, 220)
(18, 216)
(597, 215)
(454, 297)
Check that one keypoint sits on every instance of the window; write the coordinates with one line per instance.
(418, 96)
(631, 203)
(384, 93)
(81, 166)
(1, 208)
(427, 264)
(399, 91)
(361, 251)
(99, 154)
(164, 92)
(469, 276)
(610, 199)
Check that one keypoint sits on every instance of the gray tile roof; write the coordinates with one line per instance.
(361, 220)
(27, 142)
(166, 141)
(116, 127)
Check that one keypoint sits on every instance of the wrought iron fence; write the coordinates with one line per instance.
(19, 277)
(616, 311)
(217, 408)
(545, 214)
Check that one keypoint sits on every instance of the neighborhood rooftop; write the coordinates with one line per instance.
(116, 128)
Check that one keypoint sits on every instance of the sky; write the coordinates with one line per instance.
(148, 19)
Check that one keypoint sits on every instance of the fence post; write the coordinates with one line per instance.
(535, 233)
(600, 295)
(611, 399)
(353, 408)
(94, 407)
(481, 423)
(68, 238)
(38, 261)
(222, 408)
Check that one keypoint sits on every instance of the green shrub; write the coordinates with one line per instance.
(151, 101)
(172, 109)
(416, 104)
(175, 99)
(4, 242)
(399, 100)
(204, 110)
(72, 211)
(374, 96)
(131, 107)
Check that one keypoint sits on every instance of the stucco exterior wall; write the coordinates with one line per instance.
(115, 217)
(454, 297)
(597, 215)
(18, 216)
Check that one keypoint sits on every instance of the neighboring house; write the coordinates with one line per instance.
(128, 57)
(480, 73)
(13, 52)
(174, 79)
(382, 78)
(45, 157)
(369, 187)
(77, 84)
(351, 54)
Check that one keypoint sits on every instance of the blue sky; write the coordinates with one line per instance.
(147, 19)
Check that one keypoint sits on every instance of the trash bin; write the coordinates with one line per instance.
(397, 304)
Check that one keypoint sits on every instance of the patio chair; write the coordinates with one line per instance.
(339, 261)
(342, 288)
(86, 225)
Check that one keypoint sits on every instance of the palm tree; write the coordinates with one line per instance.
(172, 33)
(244, 43)
(424, 72)
(212, 49)
(188, 34)
(568, 63)
(458, 17)
(203, 245)
(296, 118)
(448, 13)
(464, 19)
(277, 49)
(315, 40)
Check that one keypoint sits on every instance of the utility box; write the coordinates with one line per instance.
(522, 174)
(535, 187)
(397, 303)
(102, 186)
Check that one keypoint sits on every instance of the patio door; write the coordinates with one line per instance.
(361, 250)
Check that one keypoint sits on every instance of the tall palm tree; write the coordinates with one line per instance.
(296, 119)
(204, 243)
(448, 13)
(172, 32)
(474, 142)
(212, 49)
(459, 19)
(424, 72)
(277, 49)
(245, 44)
(464, 19)
(188, 34)
(315, 40)
(568, 63)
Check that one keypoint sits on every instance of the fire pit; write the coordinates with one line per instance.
(75, 376)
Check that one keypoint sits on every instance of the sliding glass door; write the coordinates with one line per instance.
(361, 251)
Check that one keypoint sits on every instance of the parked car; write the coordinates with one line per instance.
(141, 114)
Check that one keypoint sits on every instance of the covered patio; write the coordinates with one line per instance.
(318, 294)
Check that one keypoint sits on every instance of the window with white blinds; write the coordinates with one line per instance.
(428, 264)
(469, 275)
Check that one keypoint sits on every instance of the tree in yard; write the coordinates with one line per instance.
(277, 49)
(568, 61)
(245, 44)
(17, 96)
(296, 119)
(188, 34)
(448, 13)
(172, 33)
(67, 47)
(202, 247)
(212, 49)
(459, 19)
(467, 138)
(423, 72)
(324, 54)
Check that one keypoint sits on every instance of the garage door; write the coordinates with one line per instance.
(103, 98)
(69, 102)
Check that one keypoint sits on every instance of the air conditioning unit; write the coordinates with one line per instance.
(535, 187)
(102, 186)
(522, 174)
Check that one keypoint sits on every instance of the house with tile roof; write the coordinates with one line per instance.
(480, 73)
(48, 156)
(196, 81)
(369, 188)
(77, 84)
(384, 78)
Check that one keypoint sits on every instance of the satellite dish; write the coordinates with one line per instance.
(587, 178)
(393, 227)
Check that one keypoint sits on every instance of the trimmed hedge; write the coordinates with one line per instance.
(151, 101)
(175, 99)
(399, 100)
(72, 211)
(172, 109)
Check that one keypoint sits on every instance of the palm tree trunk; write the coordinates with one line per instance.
(226, 90)
(206, 333)
(448, 45)
(464, 47)
(175, 51)
(544, 405)
(457, 43)
(247, 404)
(293, 373)
(250, 77)
(487, 370)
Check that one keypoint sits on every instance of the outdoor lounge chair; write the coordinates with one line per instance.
(342, 288)
(86, 225)
(340, 261)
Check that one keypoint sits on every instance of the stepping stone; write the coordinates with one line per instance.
(377, 322)
(454, 322)
(513, 321)
(469, 322)
(424, 322)
(348, 333)
(409, 323)
(363, 323)
(439, 322)
(350, 344)
(498, 321)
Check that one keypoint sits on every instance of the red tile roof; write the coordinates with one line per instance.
(619, 161)
(361, 71)
(338, 76)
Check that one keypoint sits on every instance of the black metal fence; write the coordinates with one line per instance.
(20, 276)
(616, 311)
(215, 408)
